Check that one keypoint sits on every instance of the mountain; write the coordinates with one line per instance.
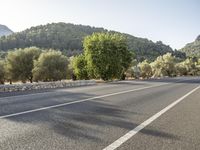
(4, 30)
(192, 49)
(68, 38)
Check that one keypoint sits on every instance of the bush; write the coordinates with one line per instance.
(145, 69)
(50, 66)
(164, 66)
(19, 63)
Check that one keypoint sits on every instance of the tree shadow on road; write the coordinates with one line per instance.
(87, 120)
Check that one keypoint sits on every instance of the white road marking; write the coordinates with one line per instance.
(58, 90)
(133, 132)
(79, 101)
(33, 94)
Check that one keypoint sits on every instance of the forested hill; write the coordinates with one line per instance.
(192, 49)
(4, 30)
(68, 38)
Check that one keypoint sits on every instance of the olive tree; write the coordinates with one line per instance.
(145, 69)
(50, 66)
(19, 63)
(181, 69)
(190, 66)
(164, 65)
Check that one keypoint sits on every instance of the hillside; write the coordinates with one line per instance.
(192, 49)
(4, 30)
(68, 38)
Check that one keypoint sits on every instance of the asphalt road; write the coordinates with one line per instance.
(155, 115)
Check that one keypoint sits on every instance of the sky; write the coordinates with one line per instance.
(174, 22)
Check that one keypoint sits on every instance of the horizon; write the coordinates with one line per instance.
(175, 23)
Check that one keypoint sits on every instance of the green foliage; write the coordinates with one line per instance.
(192, 49)
(146, 49)
(198, 62)
(130, 72)
(2, 55)
(19, 63)
(80, 67)
(145, 69)
(164, 66)
(62, 36)
(191, 66)
(2, 72)
(50, 66)
(70, 69)
(181, 69)
(107, 55)
(68, 38)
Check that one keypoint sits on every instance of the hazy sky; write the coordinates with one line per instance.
(175, 22)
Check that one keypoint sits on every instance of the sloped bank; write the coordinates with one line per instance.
(45, 85)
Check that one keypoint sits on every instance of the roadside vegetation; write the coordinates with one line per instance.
(106, 56)
(166, 66)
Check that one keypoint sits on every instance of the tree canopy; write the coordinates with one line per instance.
(164, 65)
(79, 65)
(50, 66)
(107, 55)
(19, 63)
(145, 69)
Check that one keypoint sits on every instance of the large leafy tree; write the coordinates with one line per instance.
(19, 63)
(107, 55)
(50, 66)
(80, 67)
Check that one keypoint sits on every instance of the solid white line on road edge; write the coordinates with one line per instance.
(79, 101)
(43, 93)
(28, 95)
(133, 132)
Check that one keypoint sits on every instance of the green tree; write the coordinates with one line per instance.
(80, 67)
(50, 66)
(19, 63)
(130, 72)
(70, 70)
(107, 55)
(164, 65)
(181, 69)
(2, 72)
(169, 64)
(190, 65)
(145, 69)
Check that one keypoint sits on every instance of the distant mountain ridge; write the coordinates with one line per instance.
(198, 38)
(193, 48)
(4, 30)
(68, 38)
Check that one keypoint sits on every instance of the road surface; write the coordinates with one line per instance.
(126, 115)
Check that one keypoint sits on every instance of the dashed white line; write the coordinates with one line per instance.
(131, 133)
